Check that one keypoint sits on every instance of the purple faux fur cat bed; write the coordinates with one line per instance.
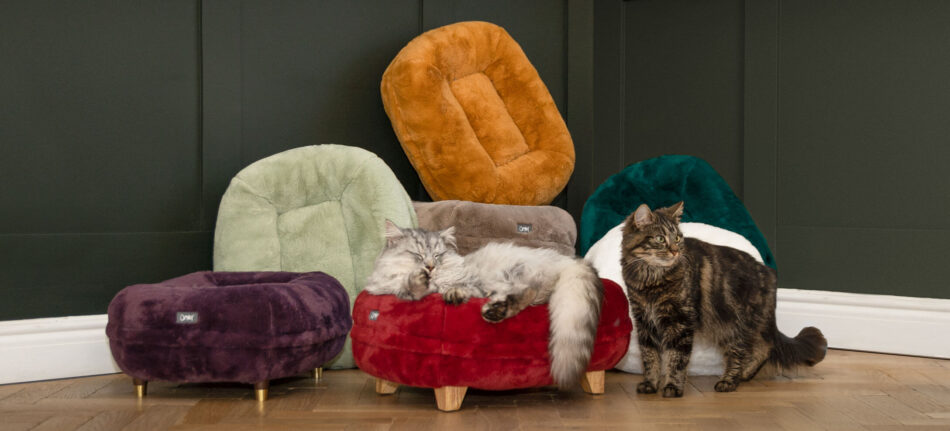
(247, 327)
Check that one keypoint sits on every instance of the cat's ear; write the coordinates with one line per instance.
(393, 232)
(642, 216)
(448, 235)
(675, 210)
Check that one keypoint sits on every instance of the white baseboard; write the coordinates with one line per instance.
(61, 347)
(874, 323)
(54, 348)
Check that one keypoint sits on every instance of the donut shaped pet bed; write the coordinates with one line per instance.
(316, 208)
(477, 224)
(706, 359)
(431, 344)
(663, 181)
(248, 327)
(475, 119)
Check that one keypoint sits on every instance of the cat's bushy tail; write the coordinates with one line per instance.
(807, 348)
(574, 310)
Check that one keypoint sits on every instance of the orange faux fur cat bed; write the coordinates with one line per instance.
(475, 119)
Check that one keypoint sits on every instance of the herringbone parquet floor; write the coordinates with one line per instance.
(848, 391)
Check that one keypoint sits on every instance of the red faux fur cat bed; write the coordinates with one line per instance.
(428, 343)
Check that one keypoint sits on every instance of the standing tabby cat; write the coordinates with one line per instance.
(680, 288)
(416, 262)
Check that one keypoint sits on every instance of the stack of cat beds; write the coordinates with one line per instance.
(248, 327)
(712, 213)
(317, 208)
(428, 343)
(486, 138)
(475, 119)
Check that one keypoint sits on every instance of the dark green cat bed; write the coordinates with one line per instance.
(663, 181)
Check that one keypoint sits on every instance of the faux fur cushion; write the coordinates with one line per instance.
(428, 343)
(604, 255)
(475, 119)
(477, 224)
(228, 326)
(316, 208)
(663, 181)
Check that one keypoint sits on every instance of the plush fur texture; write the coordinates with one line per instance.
(416, 263)
(475, 119)
(660, 182)
(251, 326)
(682, 288)
(604, 255)
(429, 343)
(317, 208)
(477, 224)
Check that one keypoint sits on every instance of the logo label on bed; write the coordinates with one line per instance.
(524, 228)
(373, 314)
(186, 317)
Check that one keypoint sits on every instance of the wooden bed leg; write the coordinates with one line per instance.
(593, 382)
(385, 387)
(449, 398)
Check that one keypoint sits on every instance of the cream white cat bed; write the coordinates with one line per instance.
(605, 256)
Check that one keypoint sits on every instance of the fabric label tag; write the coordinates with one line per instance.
(524, 228)
(186, 317)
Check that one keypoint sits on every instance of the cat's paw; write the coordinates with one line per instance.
(646, 387)
(671, 391)
(725, 386)
(495, 312)
(418, 285)
(455, 296)
(419, 278)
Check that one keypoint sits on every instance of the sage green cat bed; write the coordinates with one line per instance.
(317, 208)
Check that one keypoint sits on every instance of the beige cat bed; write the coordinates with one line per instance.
(477, 224)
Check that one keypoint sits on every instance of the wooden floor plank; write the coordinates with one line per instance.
(110, 420)
(848, 391)
(157, 418)
(62, 423)
(34, 392)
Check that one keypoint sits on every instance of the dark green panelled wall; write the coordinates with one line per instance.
(122, 122)
(827, 117)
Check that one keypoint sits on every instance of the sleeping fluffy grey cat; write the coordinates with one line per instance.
(416, 262)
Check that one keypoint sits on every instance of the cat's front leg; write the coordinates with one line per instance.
(677, 349)
(649, 354)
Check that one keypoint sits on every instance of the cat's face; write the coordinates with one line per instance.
(421, 255)
(654, 236)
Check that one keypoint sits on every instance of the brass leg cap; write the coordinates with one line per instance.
(141, 387)
(261, 395)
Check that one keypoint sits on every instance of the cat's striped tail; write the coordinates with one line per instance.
(574, 311)
(807, 348)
